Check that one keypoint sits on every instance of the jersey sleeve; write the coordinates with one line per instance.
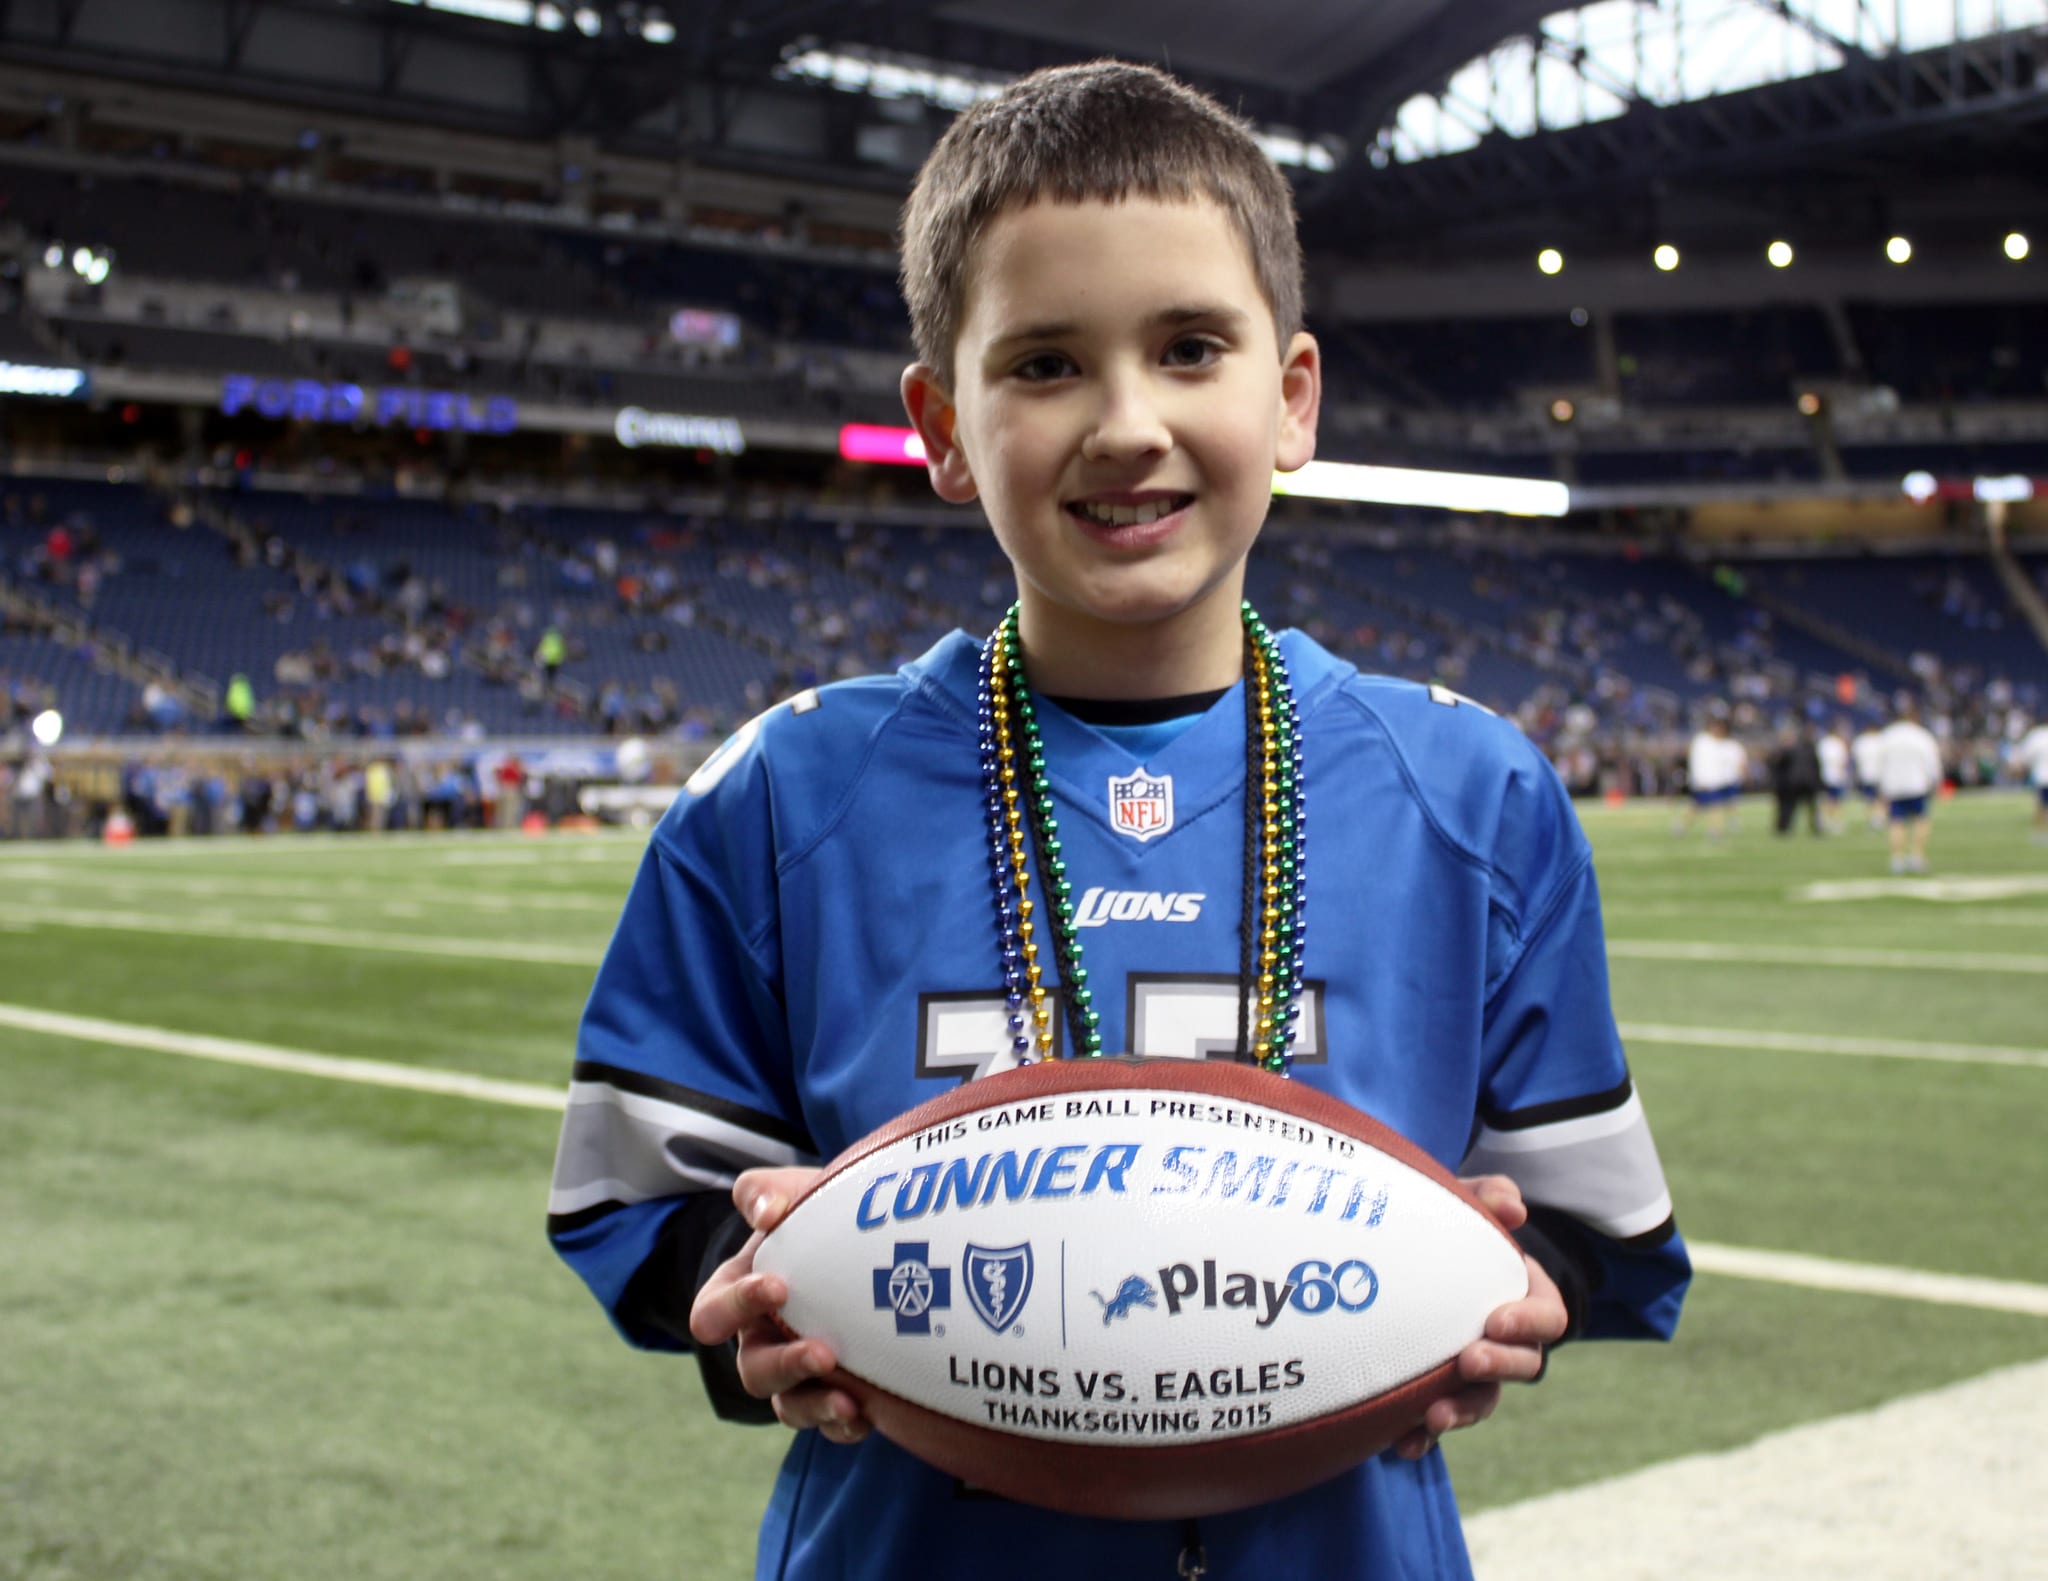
(1558, 1109)
(682, 1076)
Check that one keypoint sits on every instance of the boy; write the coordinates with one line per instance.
(1909, 773)
(2031, 757)
(828, 926)
(1834, 775)
(1715, 767)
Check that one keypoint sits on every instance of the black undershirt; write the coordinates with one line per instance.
(1137, 710)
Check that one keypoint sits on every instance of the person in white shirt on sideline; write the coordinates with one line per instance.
(2031, 754)
(1834, 777)
(1863, 753)
(1909, 773)
(1715, 767)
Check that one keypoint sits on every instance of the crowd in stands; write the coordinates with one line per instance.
(354, 619)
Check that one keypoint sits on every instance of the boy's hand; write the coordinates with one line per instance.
(736, 1301)
(1516, 1334)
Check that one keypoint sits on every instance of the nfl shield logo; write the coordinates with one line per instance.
(998, 1280)
(1141, 804)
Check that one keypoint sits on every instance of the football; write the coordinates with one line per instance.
(1141, 1288)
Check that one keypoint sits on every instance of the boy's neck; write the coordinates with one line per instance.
(1075, 656)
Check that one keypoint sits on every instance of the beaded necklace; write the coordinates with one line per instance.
(1017, 798)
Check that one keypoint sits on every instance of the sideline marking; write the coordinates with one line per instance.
(1815, 1043)
(298, 1062)
(1815, 1273)
(1797, 955)
(293, 933)
(1941, 1483)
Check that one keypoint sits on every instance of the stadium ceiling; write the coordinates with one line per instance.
(1354, 92)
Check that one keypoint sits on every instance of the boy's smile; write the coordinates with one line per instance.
(1119, 404)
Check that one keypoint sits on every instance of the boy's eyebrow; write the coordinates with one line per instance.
(1165, 318)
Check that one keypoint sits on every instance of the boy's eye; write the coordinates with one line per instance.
(1192, 351)
(1043, 366)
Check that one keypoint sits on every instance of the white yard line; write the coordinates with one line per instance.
(1869, 1279)
(1695, 950)
(1813, 1273)
(1816, 1043)
(1932, 1485)
(298, 1062)
(538, 847)
(1954, 891)
(293, 933)
(131, 884)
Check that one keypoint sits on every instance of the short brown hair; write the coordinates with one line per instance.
(1103, 131)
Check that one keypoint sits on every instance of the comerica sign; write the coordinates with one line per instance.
(311, 401)
(635, 427)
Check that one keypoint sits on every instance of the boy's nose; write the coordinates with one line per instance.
(1127, 423)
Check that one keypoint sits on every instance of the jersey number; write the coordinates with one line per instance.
(1172, 1015)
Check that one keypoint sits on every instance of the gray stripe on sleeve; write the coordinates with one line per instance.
(1602, 1168)
(626, 1147)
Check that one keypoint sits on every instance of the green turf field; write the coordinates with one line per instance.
(256, 1323)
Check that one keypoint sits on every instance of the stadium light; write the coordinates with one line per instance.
(1780, 255)
(1319, 480)
(1451, 491)
(53, 256)
(872, 442)
(1809, 403)
(47, 727)
(1665, 257)
(1550, 261)
(1899, 250)
(1562, 410)
(2017, 246)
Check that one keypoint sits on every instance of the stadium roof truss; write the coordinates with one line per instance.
(1611, 94)
(1419, 109)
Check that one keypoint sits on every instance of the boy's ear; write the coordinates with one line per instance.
(932, 415)
(1301, 402)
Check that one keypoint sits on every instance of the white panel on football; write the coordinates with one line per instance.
(1143, 1267)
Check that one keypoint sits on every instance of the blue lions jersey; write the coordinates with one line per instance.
(810, 949)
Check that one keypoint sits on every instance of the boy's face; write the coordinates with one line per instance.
(1118, 404)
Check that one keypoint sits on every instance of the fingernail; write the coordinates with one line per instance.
(759, 1207)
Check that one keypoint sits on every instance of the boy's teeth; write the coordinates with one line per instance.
(1127, 515)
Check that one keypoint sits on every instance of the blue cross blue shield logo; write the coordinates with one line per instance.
(998, 1281)
(911, 1287)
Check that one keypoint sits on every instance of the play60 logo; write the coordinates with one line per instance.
(1350, 1286)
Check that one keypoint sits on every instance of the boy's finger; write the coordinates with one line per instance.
(1501, 1197)
(1462, 1409)
(1485, 1362)
(832, 1411)
(721, 1313)
(769, 1370)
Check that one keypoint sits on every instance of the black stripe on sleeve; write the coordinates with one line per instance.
(1563, 1109)
(560, 1224)
(1651, 1239)
(759, 1121)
